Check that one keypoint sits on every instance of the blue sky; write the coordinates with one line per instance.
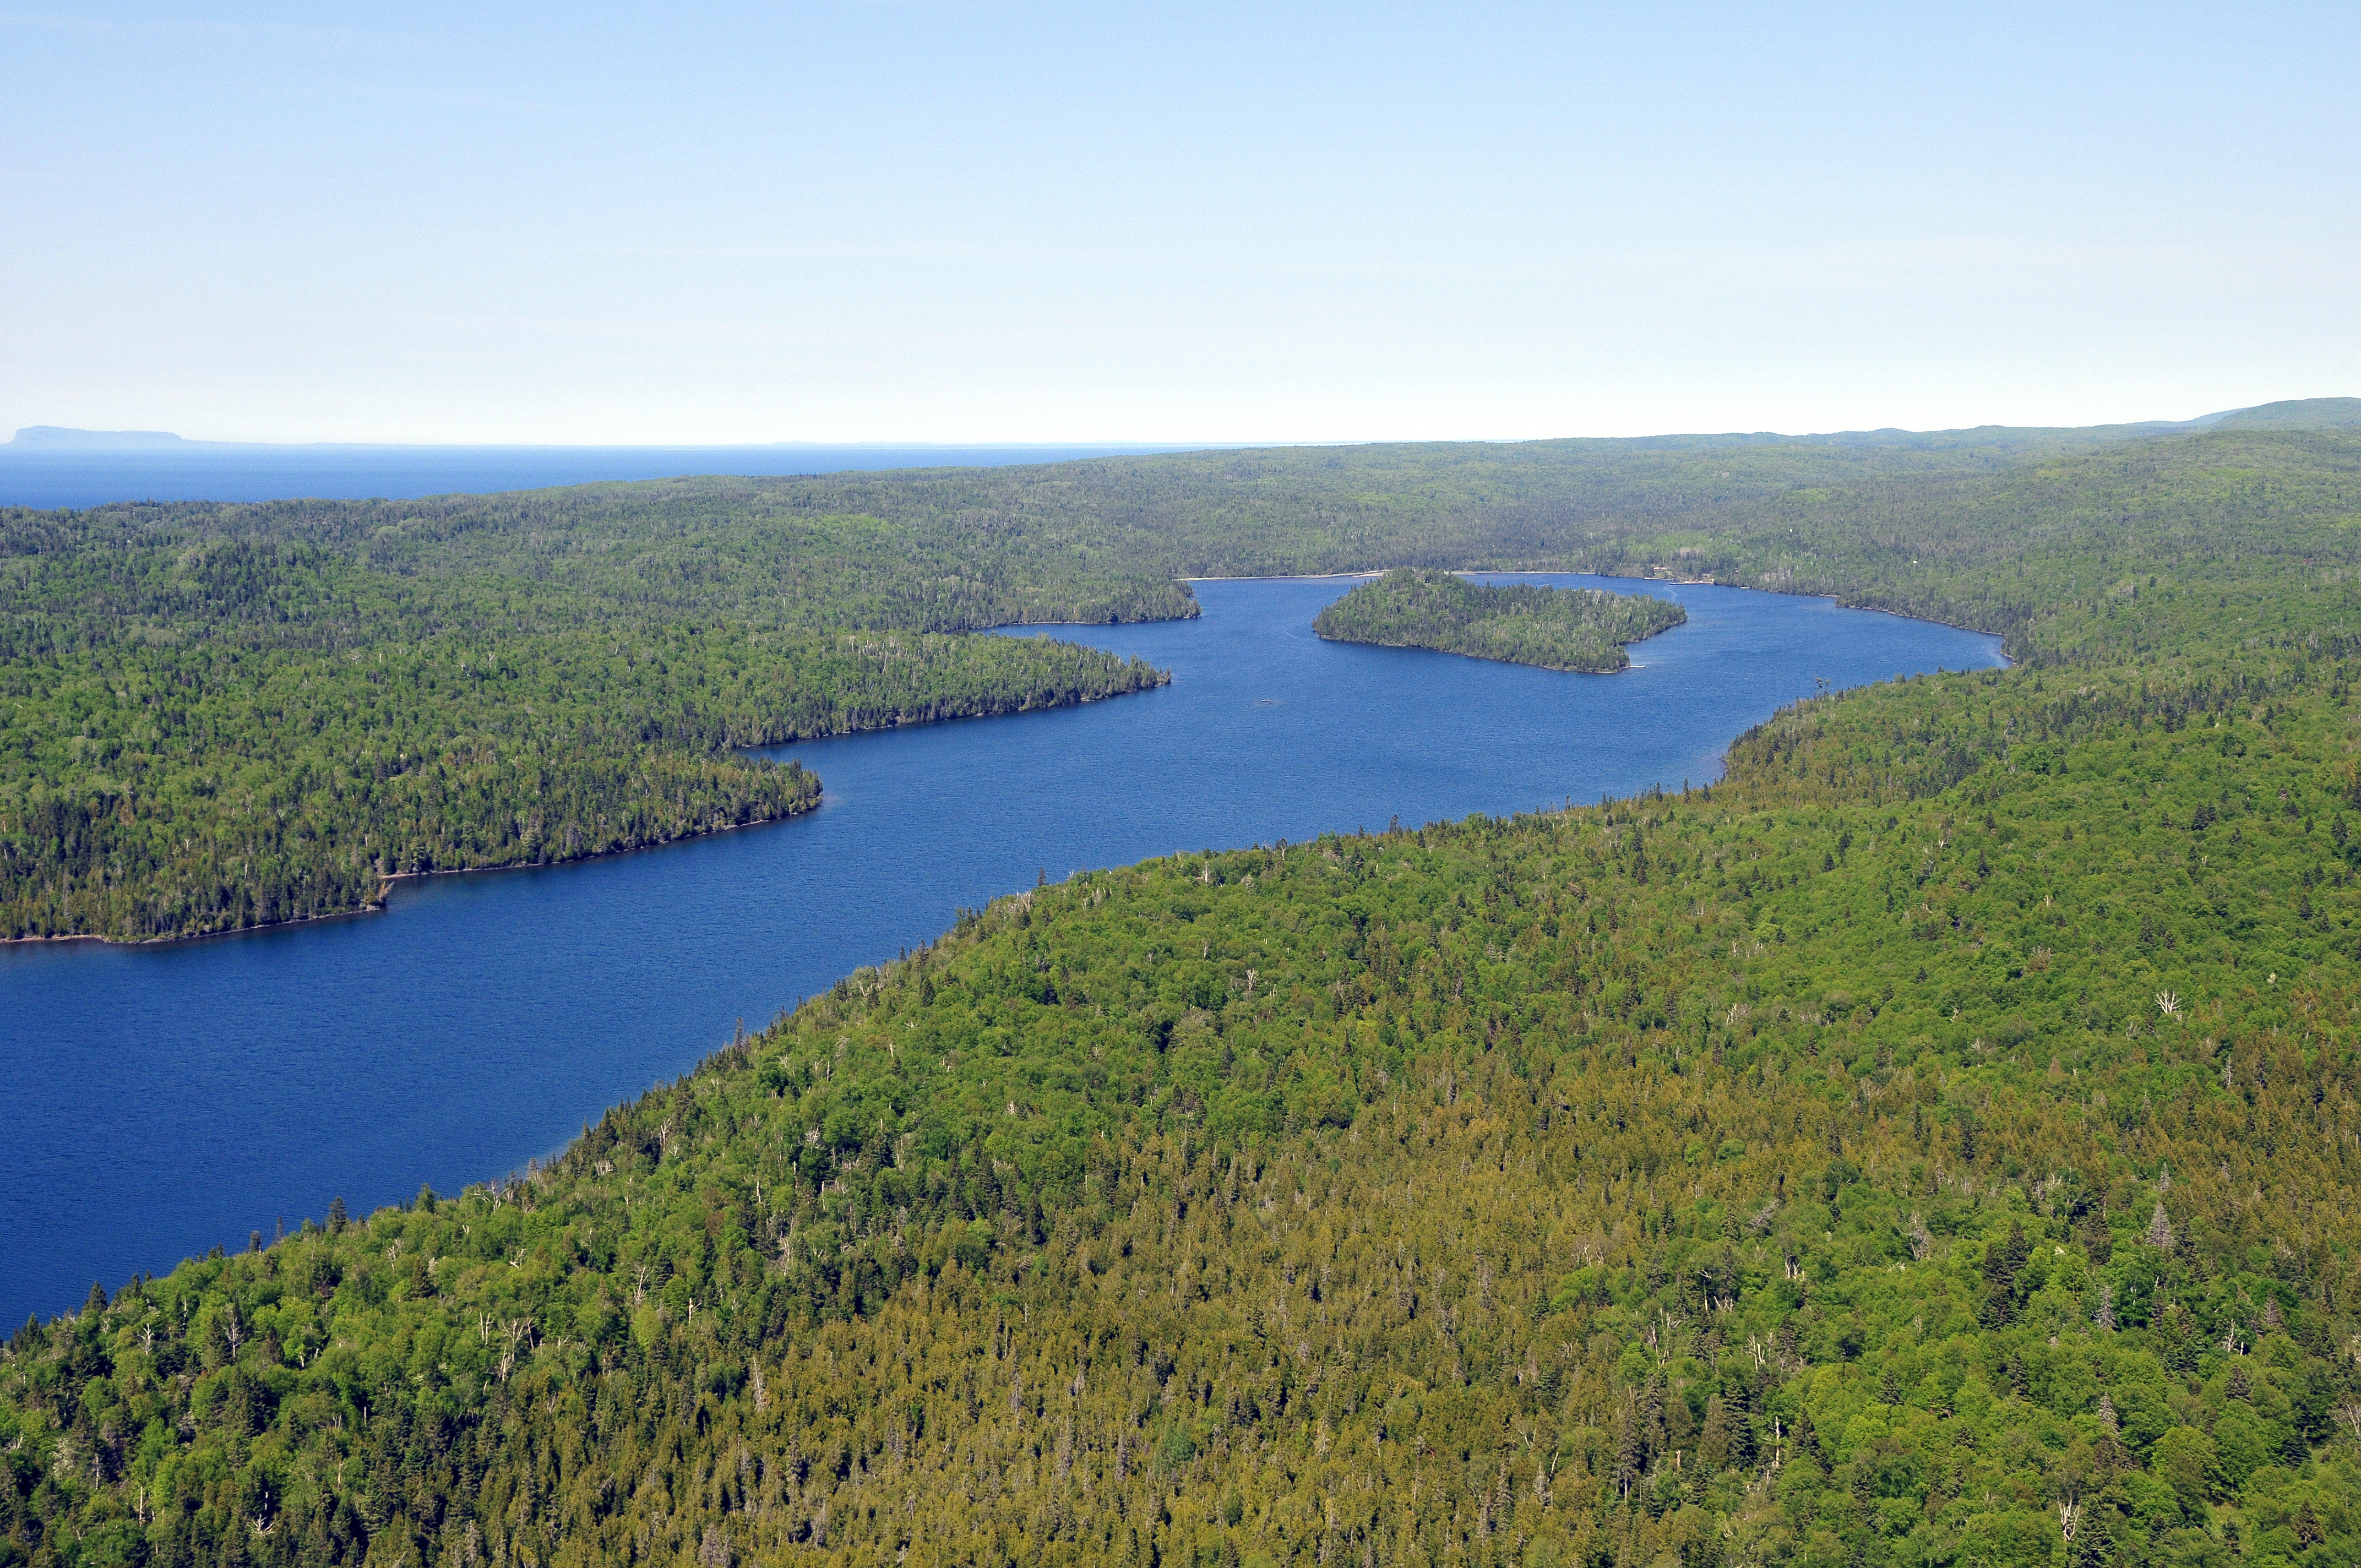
(918, 222)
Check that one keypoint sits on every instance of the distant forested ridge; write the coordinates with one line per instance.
(1937, 1144)
(213, 716)
(1523, 623)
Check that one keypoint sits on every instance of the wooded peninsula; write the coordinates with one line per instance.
(216, 716)
(1936, 1142)
(1522, 623)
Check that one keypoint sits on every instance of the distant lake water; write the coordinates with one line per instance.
(170, 1099)
(48, 477)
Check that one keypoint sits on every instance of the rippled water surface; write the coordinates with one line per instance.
(169, 1099)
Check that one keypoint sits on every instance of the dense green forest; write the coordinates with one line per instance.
(1558, 629)
(1935, 1142)
(214, 716)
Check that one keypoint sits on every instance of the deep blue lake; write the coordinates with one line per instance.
(170, 1099)
(48, 477)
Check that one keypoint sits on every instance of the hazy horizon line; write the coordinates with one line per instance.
(49, 438)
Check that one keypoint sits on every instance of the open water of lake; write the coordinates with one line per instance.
(166, 1099)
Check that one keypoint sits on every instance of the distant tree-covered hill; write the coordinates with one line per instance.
(213, 716)
(2303, 414)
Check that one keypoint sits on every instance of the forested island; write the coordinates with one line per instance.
(1936, 1142)
(1522, 623)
